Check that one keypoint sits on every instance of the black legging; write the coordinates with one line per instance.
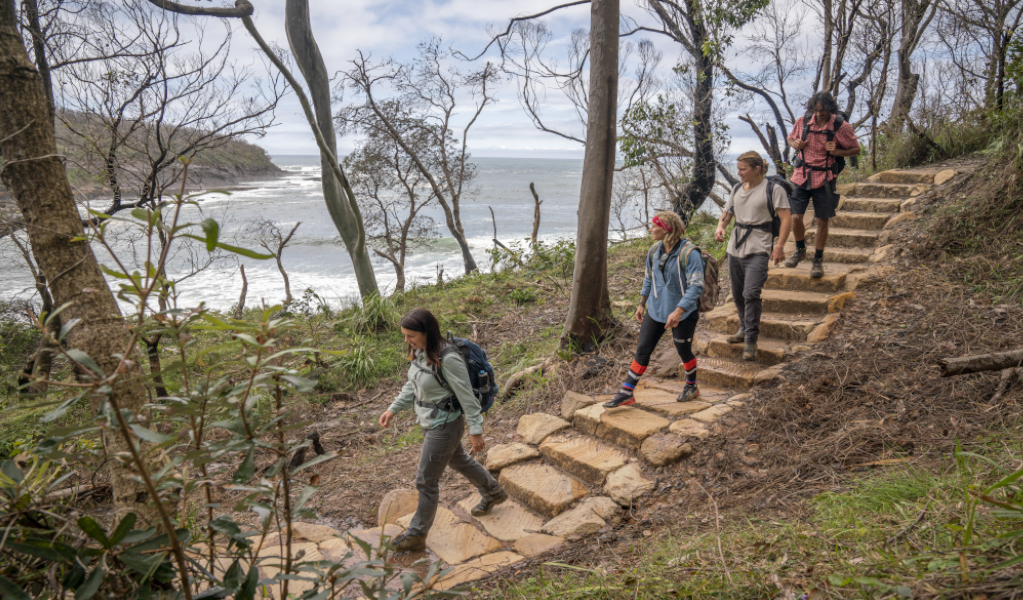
(650, 333)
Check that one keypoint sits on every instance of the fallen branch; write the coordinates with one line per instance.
(1008, 376)
(996, 361)
(516, 378)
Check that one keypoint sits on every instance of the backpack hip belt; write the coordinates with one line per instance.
(449, 404)
(748, 229)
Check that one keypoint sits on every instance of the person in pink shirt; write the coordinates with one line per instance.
(820, 143)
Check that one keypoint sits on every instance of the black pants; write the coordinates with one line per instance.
(650, 333)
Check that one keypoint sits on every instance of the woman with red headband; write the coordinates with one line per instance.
(668, 302)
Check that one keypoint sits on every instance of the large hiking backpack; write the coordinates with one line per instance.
(711, 289)
(839, 165)
(481, 373)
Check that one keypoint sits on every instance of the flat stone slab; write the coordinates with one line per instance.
(627, 484)
(373, 535)
(536, 544)
(535, 427)
(454, 540)
(625, 426)
(690, 428)
(712, 414)
(728, 374)
(664, 448)
(542, 487)
(572, 402)
(657, 398)
(395, 504)
(313, 532)
(585, 457)
(508, 521)
(785, 301)
(334, 549)
(585, 519)
(477, 568)
(504, 455)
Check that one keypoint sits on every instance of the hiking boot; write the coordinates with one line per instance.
(736, 338)
(818, 268)
(690, 392)
(623, 398)
(487, 504)
(409, 543)
(750, 352)
(797, 257)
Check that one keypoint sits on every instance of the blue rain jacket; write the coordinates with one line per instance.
(667, 290)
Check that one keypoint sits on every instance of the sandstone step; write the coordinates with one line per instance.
(477, 568)
(890, 190)
(772, 325)
(769, 352)
(585, 457)
(543, 488)
(872, 205)
(626, 426)
(845, 256)
(454, 540)
(798, 279)
(860, 220)
(508, 521)
(897, 176)
(728, 373)
(840, 237)
(659, 395)
(799, 303)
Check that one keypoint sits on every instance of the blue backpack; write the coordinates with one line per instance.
(481, 373)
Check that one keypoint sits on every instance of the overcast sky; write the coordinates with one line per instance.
(393, 28)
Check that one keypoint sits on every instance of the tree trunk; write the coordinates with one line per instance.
(240, 311)
(284, 274)
(704, 163)
(35, 175)
(335, 193)
(153, 352)
(913, 24)
(589, 310)
(995, 361)
(536, 211)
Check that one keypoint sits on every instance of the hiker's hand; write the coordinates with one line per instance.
(673, 319)
(798, 144)
(778, 255)
(385, 419)
(719, 234)
(477, 443)
(830, 146)
(640, 312)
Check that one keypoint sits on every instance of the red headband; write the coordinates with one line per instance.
(657, 221)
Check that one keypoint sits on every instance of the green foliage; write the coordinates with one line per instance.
(376, 313)
(953, 138)
(523, 295)
(356, 364)
(557, 258)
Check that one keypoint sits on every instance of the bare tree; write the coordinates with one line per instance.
(391, 189)
(977, 35)
(273, 238)
(916, 16)
(425, 92)
(536, 212)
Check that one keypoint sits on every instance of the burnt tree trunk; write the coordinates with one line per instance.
(35, 174)
(589, 310)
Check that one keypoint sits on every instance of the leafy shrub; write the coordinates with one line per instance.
(356, 364)
(375, 314)
(558, 258)
(523, 295)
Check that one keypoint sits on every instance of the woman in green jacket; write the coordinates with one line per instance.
(439, 410)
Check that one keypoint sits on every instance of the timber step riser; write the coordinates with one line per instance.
(800, 281)
(854, 220)
(890, 190)
(795, 306)
(845, 240)
(765, 356)
(769, 328)
(910, 177)
(871, 205)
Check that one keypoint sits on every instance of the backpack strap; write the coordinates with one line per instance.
(770, 198)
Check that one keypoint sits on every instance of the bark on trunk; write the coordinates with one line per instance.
(995, 361)
(589, 310)
(35, 175)
(287, 284)
(536, 211)
(914, 22)
(155, 369)
(704, 163)
(310, 62)
(240, 311)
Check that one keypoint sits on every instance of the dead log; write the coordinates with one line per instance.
(995, 361)
(516, 378)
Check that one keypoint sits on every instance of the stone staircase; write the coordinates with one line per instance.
(569, 474)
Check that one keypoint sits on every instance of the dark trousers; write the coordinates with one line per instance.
(650, 333)
(748, 276)
(442, 447)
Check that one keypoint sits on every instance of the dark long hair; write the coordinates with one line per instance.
(826, 100)
(420, 319)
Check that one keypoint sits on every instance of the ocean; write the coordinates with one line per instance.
(316, 258)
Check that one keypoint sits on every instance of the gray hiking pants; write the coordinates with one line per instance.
(442, 447)
(748, 276)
